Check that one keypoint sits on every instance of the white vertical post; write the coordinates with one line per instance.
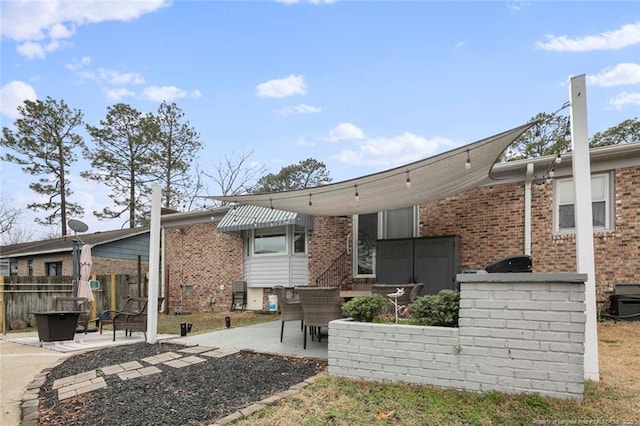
(527, 209)
(584, 219)
(154, 266)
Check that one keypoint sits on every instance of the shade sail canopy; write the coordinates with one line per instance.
(416, 183)
(250, 217)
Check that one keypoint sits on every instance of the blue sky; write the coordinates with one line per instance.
(361, 86)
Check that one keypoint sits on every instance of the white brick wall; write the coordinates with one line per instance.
(517, 333)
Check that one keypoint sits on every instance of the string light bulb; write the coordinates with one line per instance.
(552, 172)
(558, 158)
(357, 195)
(467, 164)
(310, 202)
(271, 203)
(408, 182)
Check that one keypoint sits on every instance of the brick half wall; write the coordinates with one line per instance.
(518, 333)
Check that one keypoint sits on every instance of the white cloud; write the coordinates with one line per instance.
(621, 74)
(14, 94)
(44, 22)
(517, 5)
(299, 109)
(393, 151)
(304, 142)
(316, 2)
(168, 93)
(345, 131)
(280, 88)
(627, 35)
(117, 78)
(459, 45)
(77, 64)
(119, 94)
(625, 98)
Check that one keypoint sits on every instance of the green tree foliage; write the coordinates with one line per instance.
(44, 142)
(122, 160)
(548, 136)
(178, 145)
(626, 132)
(305, 174)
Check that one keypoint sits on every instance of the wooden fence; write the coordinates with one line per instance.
(23, 295)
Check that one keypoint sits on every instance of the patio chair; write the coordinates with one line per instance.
(385, 289)
(239, 295)
(134, 320)
(81, 304)
(106, 317)
(290, 309)
(319, 306)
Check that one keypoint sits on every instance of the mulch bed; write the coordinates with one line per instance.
(193, 395)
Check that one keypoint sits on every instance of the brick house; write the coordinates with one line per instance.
(528, 209)
(111, 251)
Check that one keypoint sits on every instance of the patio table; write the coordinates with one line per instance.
(350, 294)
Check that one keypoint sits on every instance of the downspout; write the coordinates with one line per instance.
(527, 209)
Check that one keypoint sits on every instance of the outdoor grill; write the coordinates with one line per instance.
(625, 302)
(518, 263)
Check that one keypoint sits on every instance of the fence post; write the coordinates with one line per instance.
(113, 292)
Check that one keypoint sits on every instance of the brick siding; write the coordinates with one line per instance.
(209, 261)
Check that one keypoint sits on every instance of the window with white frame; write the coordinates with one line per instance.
(278, 241)
(270, 241)
(365, 231)
(368, 228)
(601, 204)
(299, 240)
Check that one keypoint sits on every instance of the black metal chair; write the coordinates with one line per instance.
(239, 295)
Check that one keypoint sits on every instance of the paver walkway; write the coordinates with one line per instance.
(92, 380)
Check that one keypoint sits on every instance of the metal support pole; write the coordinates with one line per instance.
(76, 268)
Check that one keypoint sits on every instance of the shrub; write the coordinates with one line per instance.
(440, 309)
(365, 308)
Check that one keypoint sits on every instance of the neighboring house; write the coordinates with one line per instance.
(112, 252)
(524, 211)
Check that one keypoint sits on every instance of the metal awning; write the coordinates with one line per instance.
(416, 183)
(244, 217)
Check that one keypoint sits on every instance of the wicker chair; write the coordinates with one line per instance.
(415, 291)
(319, 305)
(385, 289)
(290, 309)
(81, 304)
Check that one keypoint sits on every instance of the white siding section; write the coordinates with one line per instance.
(267, 271)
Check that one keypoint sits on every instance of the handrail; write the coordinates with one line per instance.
(335, 273)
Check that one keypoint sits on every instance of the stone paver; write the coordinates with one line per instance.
(112, 369)
(132, 365)
(76, 378)
(147, 371)
(81, 387)
(160, 358)
(184, 362)
(222, 352)
(196, 349)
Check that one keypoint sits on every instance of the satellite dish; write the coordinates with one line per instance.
(77, 225)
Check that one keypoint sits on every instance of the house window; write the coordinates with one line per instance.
(365, 236)
(30, 267)
(399, 223)
(299, 240)
(53, 269)
(601, 204)
(13, 267)
(270, 241)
